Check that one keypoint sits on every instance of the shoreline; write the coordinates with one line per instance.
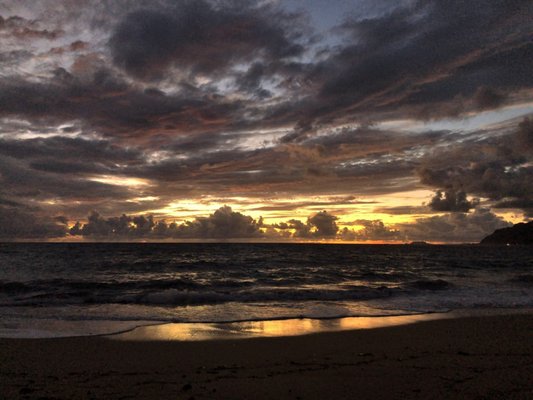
(459, 357)
(148, 330)
(266, 328)
(288, 327)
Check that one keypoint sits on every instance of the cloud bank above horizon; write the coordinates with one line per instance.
(362, 120)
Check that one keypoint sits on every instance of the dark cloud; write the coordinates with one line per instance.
(291, 206)
(63, 149)
(372, 230)
(13, 58)
(294, 169)
(368, 141)
(422, 59)
(403, 210)
(452, 201)
(119, 227)
(104, 102)
(523, 144)
(324, 223)
(68, 156)
(201, 36)
(235, 96)
(453, 227)
(428, 59)
(73, 175)
(24, 182)
(19, 223)
(70, 167)
(301, 230)
(486, 98)
(494, 166)
(318, 225)
(524, 204)
(62, 166)
(251, 80)
(81, 207)
(222, 224)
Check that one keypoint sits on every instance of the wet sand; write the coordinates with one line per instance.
(474, 358)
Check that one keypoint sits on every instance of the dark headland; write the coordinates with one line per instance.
(521, 233)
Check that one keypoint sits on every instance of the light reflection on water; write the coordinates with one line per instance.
(275, 328)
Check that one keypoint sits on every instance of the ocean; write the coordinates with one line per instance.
(65, 289)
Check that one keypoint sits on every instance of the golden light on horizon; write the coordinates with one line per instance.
(345, 207)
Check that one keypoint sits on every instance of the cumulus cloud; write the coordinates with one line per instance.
(19, 222)
(319, 225)
(301, 229)
(372, 230)
(495, 166)
(222, 224)
(324, 223)
(451, 227)
(123, 226)
(451, 201)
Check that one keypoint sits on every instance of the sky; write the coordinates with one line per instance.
(290, 120)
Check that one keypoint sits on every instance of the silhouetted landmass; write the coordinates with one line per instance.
(420, 243)
(521, 233)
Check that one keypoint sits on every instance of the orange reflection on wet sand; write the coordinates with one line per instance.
(275, 328)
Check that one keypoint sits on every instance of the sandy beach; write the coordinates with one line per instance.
(475, 358)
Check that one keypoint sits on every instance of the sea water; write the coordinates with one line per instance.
(63, 289)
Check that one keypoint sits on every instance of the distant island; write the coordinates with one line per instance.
(521, 233)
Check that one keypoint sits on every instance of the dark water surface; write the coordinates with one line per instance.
(51, 289)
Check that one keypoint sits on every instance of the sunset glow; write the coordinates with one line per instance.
(286, 119)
